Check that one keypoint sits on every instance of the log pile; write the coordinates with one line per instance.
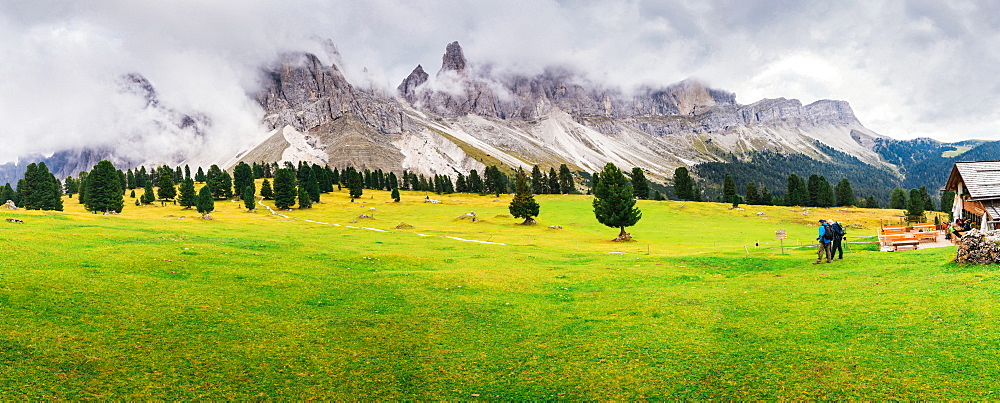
(979, 247)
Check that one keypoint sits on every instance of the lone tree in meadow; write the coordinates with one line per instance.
(104, 189)
(683, 184)
(395, 195)
(523, 205)
(206, 201)
(355, 184)
(614, 201)
(284, 189)
(640, 186)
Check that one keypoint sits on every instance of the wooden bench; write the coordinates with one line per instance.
(924, 227)
(926, 235)
(888, 239)
(893, 230)
(911, 242)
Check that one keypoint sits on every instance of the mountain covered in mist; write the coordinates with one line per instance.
(467, 116)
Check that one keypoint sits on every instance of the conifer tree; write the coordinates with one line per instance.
(538, 182)
(897, 199)
(640, 186)
(845, 195)
(871, 202)
(248, 198)
(188, 197)
(284, 188)
(825, 198)
(104, 189)
(187, 172)
(764, 196)
(355, 184)
(178, 174)
(926, 197)
(166, 190)
(729, 190)
(797, 194)
(523, 205)
(460, 185)
(83, 187)
(947, 201)
(751, 193)
(71, 187)
(813, 191)
(141, 177)
(305, 201)
(683, 184)
(614, 201)
(199, 176)
(7, 193)
(395, 195)
(566, 185)
(915, 205)
(265, 190)
(311, 185)
(130, 179)
(243, 177)
(147, 194)
(553, 185)
(206, 201)
(474, 182)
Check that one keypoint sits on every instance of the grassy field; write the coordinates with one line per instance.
(157, 304)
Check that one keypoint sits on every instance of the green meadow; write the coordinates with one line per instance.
(156, 303)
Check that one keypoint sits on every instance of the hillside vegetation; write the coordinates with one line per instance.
(155, 303)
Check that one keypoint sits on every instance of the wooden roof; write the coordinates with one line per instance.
(981, 179)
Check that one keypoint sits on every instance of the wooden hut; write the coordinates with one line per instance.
(977, 192)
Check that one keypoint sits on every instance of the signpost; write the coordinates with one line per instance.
(781, 235)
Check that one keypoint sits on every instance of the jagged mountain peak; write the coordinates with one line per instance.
(408, 88)
(453, 59)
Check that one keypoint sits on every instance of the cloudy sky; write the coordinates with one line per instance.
(908, 68)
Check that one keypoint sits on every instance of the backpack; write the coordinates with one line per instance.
(828, 233)
(838, 230)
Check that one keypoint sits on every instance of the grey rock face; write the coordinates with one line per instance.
(408, 88)
(303, 93)
(453, 59)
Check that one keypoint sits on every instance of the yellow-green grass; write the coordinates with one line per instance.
(156, 303)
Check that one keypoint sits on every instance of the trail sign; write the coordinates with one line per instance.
(780, 234)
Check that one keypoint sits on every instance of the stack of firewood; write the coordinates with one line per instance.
(979, 247)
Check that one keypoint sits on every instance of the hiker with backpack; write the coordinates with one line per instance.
(836, 247)
(823, 246)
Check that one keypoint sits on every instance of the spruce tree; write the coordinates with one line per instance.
(751, 193)
(683, 184)
(553, 186)
(566, 185)
(199, 176)
(31, 188)
(104, 189)
(764, 196)
(538, 182)
(871, 202)
(311, 185)
(813, 191)
(206, 201)
(640, 186)
(926, 197)
(188, 197)
(284, 188)
(305, 200)
(947, 201)
(915, 205)
(825, 198)
(249, 201)
(395, 195)
(845, 195)
(130, 179)
(7, 193)
(166, 190)
(355, 184)
(187, 172)
(265, 190)
(729, 190)
(614, 201)
(55, 199)
(523, 205)
(475, 182)
(243, 177)
(897, 199)
(147, 194)
(81, 197)
(460, 185)
(72, 186)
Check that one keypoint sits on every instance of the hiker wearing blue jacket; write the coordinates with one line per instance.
(823, 248)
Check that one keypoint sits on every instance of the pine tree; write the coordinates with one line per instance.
(915, 205)
(947, 201)
(130, 180)
(764, 196)
(266, 191)
(7, 193)
(305, 201)
(523, 205)
(71, 187)
(640, 186)
(897, 199)
(284, 188)
(871, 202)
(475, 182)
(187, 172)
(243, 177)
(751, 193)
(566, 184)
(147, 194)
(311, 185)
(553, 186)
(845, 195)
(825, 198)
(813, 191)
(249, 201)
(460, 185)
(199, 176)
(355, 185)
(658, 196)
(926, 197)
(797, 194)
(206, 201)
(614, 201)
(81, 197)
(104, 191)
(729, 190)
(166, 190)
(141, 178)
(395, 195)
(683, 184)
(538, 182)
(188, 197)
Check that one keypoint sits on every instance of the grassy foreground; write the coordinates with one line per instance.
(157, 304)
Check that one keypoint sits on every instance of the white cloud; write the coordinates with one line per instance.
(908, 68)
